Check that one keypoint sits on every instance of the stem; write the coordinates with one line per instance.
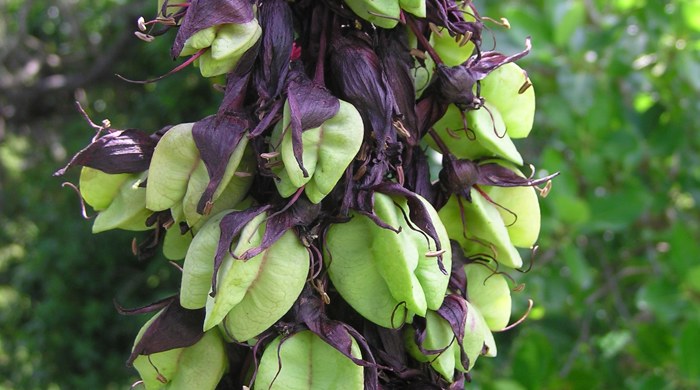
(424, 42)
(174, 70)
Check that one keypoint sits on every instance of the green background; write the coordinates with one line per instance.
(616, 282)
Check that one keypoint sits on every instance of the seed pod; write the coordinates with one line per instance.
(230, 45)
(354, 273)
(381, 13)
(485, 135)
(453, 50)
(198, 267)
(520, 210)
(99, 189)
(199, 366)
(478, 340)
(510, 91)
(327, 152)
(176, 244)
(173, 161)
(254, 294)
(438, 346)
(128, 209)
(415, 7)
(484, 233)
(305, 361)
(489, 292)
(382, 274)
(233, 187)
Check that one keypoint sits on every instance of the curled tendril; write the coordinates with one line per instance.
(503, 22)
(385, 16)
(488, 198)
(176, 265)
(83, 209)
(176, 69)
(520, 320)
(544, 190)
(533, 253)
(405, 314)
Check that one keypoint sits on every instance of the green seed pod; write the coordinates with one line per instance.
(432, 280)
(98, 189)
(198, 267)
(175, 244)
(485, 137)
(485, 231)
(438, 337)
(477, 340)
(127, 211)
(489, 292)
(304, 361)
(351, 267)
(327, 152)
(396, 256)
(520, 210)
(415, 7)
(453, 51)
(382, 274)
(233, 187)
(173, 161)
(199, 40)
(421, 74)
(199, 366)
(381, 13)
(510, 91)
(254, 294)
(232, 41)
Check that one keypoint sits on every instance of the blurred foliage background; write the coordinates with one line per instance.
(616, 282)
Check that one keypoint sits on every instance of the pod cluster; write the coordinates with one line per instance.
(348, 216)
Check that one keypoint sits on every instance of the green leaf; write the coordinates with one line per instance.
(687, 346)
(533, 362)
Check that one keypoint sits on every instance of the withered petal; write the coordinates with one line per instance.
(216, 137)
(230, 226)
(175, 327)
(120, 151)
(310, 105)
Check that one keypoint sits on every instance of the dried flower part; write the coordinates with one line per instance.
(118, 151)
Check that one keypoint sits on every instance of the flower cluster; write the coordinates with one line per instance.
(316, 246)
